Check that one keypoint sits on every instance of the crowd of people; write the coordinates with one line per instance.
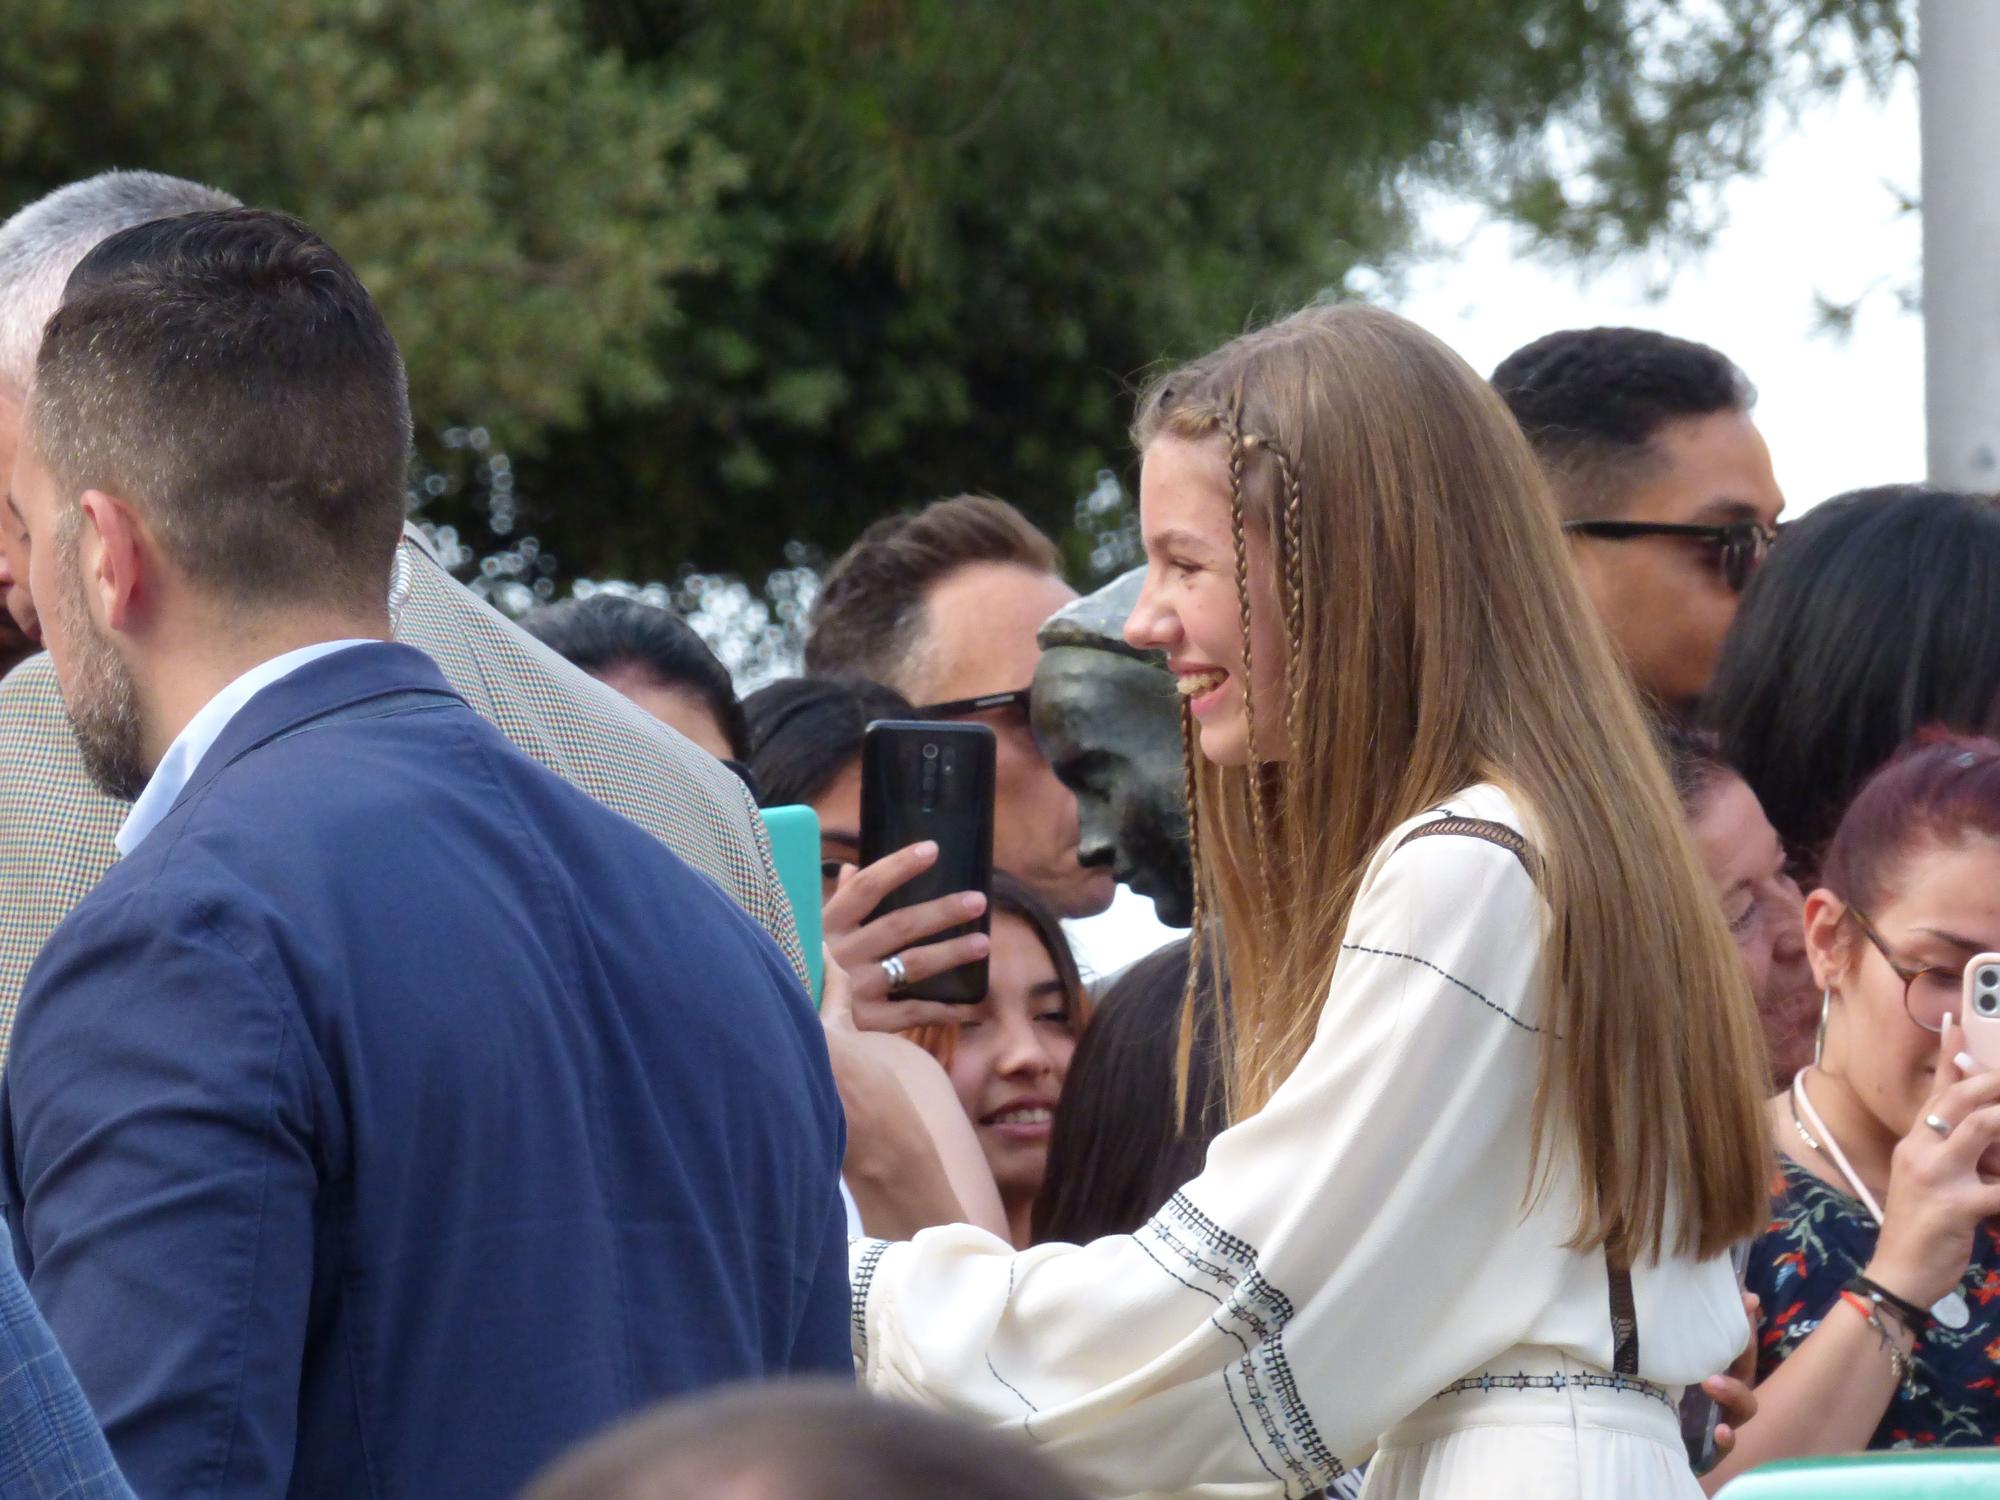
(414, 1086)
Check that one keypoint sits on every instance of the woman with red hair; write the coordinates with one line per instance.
(1880, 1270)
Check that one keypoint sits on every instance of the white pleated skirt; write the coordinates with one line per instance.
(1536, 1423)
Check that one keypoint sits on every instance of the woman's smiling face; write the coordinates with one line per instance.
(1190, 608)
(1012, 1055)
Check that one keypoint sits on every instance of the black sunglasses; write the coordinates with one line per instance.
(1740, 546)
(957, 708)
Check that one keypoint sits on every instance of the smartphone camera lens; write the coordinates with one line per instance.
(930, 752)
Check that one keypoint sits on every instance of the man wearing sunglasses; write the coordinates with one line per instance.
(1665, 488)
(942, 605)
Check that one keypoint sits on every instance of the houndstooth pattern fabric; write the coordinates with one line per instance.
(56, 827)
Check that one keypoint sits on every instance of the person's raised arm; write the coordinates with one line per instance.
(1830, 1393)
(161, 1147)
(912, 1158)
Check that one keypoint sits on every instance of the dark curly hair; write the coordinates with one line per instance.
(1591, 399)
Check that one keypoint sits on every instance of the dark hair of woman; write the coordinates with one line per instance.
(1873, 617)
(1120, 1147)
(607, 631)
(805, 731)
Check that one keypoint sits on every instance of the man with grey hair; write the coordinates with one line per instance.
(56, 827)
(39, 247)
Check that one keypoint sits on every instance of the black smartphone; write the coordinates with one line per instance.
(932, 781)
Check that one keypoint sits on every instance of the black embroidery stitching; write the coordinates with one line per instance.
(992, 1370)
(864, 1277)
(1498, 1010)
(1558, 1381)
(1266, 1374)
(1228, 1389)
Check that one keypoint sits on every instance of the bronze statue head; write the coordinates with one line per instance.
(1108, 719)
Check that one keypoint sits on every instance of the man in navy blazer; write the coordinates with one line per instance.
(392, 1114)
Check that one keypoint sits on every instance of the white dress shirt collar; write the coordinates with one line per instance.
(201, 733)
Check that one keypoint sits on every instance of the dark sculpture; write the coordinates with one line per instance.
(1109, 720)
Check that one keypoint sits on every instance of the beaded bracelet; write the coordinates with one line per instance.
(1899, 1362)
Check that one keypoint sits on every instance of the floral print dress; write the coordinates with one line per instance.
(1818, 1240)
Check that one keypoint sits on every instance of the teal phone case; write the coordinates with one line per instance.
(795, 849)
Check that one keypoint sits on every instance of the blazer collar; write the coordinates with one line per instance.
(332, 683)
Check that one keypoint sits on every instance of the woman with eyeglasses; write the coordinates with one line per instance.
(1880, 1271)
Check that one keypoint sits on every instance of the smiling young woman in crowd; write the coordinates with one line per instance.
(1879, 1268)
(1008, 1055)
(1494, 1093)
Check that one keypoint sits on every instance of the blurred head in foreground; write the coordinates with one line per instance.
(800, 1442)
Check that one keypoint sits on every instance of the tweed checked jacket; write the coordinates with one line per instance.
(56, 827)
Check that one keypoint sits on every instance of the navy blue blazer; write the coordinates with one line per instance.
(396, 1115)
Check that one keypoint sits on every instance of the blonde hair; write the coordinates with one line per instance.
(1436, 636)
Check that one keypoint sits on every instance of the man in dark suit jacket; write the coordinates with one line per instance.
(392, 1114)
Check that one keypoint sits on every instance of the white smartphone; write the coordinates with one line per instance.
(1980, 1015)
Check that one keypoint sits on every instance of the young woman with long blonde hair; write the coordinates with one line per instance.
(1495, 1093)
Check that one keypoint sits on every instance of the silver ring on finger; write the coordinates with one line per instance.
(1938, 1123)
(895, 972)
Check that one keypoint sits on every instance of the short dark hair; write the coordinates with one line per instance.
(1120, 1149)
(806, 1440)
(228, 375)
(864, 621)
(804, 731)
(1872, 619)
(1591, 400)
(608, 631)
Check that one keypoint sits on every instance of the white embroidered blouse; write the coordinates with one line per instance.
(1349, 1251)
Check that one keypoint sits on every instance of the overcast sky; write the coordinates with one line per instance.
(1823, 217)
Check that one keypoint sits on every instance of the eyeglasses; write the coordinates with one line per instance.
(1929, 990)
(1740, 546)
(958, 708)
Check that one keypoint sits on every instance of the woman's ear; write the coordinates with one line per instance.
(1826, 940)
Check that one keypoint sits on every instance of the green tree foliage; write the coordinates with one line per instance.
(720, 275)
(968, 230)
(521, 203)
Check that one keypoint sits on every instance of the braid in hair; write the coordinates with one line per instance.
(1198, 953)
(1292, 579)
(1239, 443)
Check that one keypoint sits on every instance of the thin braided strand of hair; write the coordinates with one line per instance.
(1197, 936)
(1292, 575)
(1240, 443)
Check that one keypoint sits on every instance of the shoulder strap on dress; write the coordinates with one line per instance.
(1624, 1311)
(1478, 828)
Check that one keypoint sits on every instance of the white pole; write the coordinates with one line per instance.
(1960, 106)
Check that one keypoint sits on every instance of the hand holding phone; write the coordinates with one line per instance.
(925, 782)
(860, 939)
(1979, 1013)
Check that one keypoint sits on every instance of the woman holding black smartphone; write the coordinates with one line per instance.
(1493, 1071)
